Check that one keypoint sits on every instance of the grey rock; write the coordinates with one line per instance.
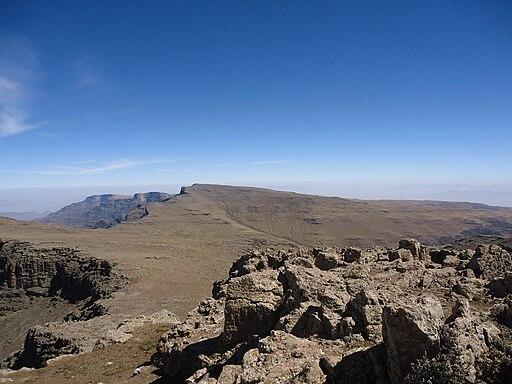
(410, 331)
(252, 304)
(412, 245)
(327, 260)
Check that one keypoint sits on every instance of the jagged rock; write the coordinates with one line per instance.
(503, 312)
(352, 254)
(282, 358)
(252, 304)
(466, 338)
(490, 262)
(438, 256)
(180, 349)
(413, 246)
(501, 286)
(361, 366)
(327, 260)
(400, 254)
(410, 331)
(366, 311)
(451, 261)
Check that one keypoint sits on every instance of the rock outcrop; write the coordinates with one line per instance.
(66, 275)
(56, 272)
(104, 211)
(329, 315)
(411, 330)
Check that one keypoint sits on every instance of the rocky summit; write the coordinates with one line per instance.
(410, 314)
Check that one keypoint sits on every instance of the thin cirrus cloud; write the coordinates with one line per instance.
(91, 167)
(18, 71)
(87, 74)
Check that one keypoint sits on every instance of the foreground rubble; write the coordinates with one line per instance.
(414, 314)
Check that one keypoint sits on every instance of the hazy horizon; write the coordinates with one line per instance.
(38, 200)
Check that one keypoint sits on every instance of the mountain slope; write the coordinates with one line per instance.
(311, 220)
(103, 211)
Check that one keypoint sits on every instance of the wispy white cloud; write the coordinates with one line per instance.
(89, 167)
(87, 74)
(93, 167)
(18, 70)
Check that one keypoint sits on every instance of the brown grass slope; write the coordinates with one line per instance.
(312, 220)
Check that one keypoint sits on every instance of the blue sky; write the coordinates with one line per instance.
(253, 92)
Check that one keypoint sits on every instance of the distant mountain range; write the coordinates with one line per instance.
(104, 211)
(24, 216)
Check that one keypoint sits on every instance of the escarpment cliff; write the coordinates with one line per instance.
(104, 211)
(55, 272)
(35, 279)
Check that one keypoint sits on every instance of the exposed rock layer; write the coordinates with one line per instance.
(57, 274)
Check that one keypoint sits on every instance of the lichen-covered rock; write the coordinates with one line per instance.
(411, 330)
(503, 312)
(501, 286)
(413, 246)
(252, 304)
(327, 260)
(282, 358)
(400, 254)
(490, 262)
(467, 337)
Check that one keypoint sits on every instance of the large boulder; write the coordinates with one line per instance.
(466, 337)
(282, 358)
(326, 260)
(490, 262)
(180, 349)
(353, 254)
(252, 304)
(400, 254)
(411, 330)
(501, 286)
(366, 311)
(412, 245)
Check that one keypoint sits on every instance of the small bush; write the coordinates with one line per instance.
(441, 369)
(495, 367)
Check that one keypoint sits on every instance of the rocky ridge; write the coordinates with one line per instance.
(411, 314)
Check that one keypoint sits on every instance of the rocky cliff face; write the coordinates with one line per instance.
(104, 211)
(412, 314)
(57, 273)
